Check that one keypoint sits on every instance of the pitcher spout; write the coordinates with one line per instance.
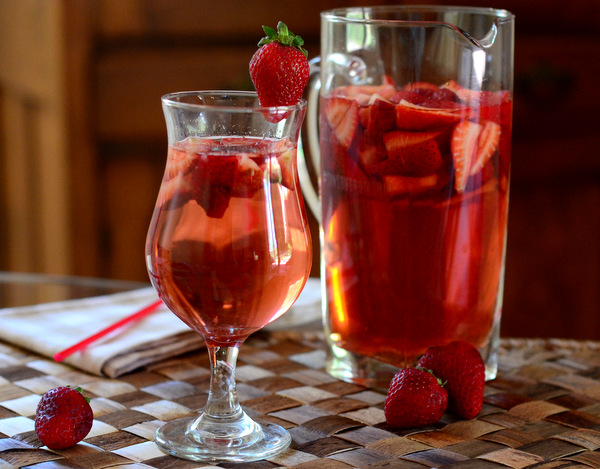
(486, 42)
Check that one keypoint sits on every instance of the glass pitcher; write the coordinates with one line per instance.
(413, 139)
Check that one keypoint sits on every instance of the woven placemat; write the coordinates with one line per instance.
(542, 411)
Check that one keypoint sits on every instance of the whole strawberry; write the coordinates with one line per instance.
(415, 399)
(279, 68)
(63, 417)
(460, 366)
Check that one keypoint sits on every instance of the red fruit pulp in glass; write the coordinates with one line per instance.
(229, 274)
(412, 258)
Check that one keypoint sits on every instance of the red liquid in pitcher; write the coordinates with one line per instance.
(227, 251)
(414, 215)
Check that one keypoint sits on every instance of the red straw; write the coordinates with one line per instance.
(60, 356)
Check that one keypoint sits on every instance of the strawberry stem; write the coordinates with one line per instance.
(440, 382)
(283, 36)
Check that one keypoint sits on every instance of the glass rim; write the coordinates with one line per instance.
(342, 14)
(175, 99)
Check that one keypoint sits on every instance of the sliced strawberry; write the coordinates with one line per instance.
(178, 162)
(397, 185)
(418, 159)
(489, 138)
(286, 161)
(494, 106)
(248, 177)
(378, 116)
(453, 86)
(411, 116)
(370, 155)
(216, 201)
(445, 95)
(406, 95)
(423, 158)
(420, 86)
(280, 164)
(389, 167)
(174, 192)
(397, 140)
(213, 181)
(433, 97)
(362, 93)
(196, 144)
(463, 146)
(342, 115)
(465, 94)
(480, 178)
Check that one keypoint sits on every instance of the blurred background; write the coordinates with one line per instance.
(83, 144)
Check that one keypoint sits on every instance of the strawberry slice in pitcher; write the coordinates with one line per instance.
(472, 145)
(379, 116)
(489, 138)
(411, 116)
(395, 185)
(342, 115)
(410, 154)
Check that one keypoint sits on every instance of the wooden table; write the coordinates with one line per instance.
(542, 411)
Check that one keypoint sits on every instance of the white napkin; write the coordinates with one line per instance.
(52, 327)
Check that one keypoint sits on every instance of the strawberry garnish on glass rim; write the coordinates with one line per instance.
(279, 68)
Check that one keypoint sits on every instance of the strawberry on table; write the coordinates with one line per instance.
(461, 367)
(63, 417)
(279, 68)
(415, 399)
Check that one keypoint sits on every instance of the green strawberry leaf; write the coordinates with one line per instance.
(282, 29)
(283, 36)
(270, 32)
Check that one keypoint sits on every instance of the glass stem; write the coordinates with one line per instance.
(222, 397)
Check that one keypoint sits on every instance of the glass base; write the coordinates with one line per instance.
(366, 371)
(242, 440)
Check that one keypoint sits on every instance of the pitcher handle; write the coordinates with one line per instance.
(312, 127)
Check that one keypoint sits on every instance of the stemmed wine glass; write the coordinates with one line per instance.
(228, 250)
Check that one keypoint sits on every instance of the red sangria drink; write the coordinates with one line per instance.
(224, 261)
(414, 216)
(228, 251)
